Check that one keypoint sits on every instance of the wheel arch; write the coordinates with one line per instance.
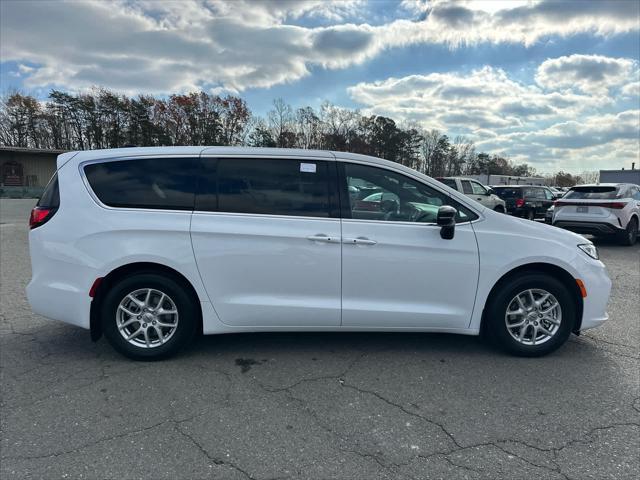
(128, 269)
(540, 267)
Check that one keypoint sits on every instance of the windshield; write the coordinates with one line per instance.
(595, 193)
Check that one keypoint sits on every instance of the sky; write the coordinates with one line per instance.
(555, 83)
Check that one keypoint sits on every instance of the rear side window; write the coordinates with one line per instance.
(51, 195)
(508, 192)
(157, 183)
(266, 186)
(594, 192)
(466, 186)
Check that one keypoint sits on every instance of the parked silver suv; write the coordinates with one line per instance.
(475, 190)
(605, 209)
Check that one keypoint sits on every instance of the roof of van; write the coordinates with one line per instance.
(84, 155)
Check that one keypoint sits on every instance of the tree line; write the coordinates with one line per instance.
(102, 118)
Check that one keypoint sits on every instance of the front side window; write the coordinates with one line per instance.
(380, 194)
(478, 189)
(156, 183)
(548, 194)
(266, 186)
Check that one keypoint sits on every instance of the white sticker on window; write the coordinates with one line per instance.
(308, 167)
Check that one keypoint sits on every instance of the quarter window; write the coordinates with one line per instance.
(158, 183)
(380, 194)
(266, 186)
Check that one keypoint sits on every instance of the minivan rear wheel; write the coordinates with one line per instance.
(531, 315)
(148, 316)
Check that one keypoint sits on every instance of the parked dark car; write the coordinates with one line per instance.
(526, 201)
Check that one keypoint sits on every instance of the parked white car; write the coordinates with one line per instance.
(475, 190)
(607, 209)
(149, 246)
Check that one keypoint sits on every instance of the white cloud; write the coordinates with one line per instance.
(547, 128)
(176, 46)
(485, 98)
(590, 73)
(632, 90)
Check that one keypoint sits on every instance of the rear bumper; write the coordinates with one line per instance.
(591, 228)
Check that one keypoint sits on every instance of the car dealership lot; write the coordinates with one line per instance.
(315, 405)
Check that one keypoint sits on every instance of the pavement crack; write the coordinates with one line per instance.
(405, 410)
(213, 459)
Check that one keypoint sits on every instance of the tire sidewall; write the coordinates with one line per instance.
(632, 231)
(184, 304)
(495, 319)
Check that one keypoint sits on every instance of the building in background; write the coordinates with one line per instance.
(620, 176)
(24, 172)
(487, 179)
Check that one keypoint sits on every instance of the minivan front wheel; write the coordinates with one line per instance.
(531, 316)
(148, 316)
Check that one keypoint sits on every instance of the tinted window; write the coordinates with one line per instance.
(165, 183)
(267, 186)
(531, 193)
(449, 182)
(51, 195)
(594, 192)
(635, 193)
(466, 186)
(506, 192)
(379, 194)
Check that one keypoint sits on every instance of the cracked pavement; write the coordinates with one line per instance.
(316, 405)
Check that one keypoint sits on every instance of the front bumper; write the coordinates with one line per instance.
(598, 286)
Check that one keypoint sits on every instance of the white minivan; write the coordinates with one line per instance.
(150, 246)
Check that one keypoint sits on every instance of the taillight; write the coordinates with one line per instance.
(616, 205)
(40, 216)
(519, 202)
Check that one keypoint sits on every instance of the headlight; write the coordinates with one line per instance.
(590, 249)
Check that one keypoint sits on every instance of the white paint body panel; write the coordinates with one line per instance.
(263, 270)
(261, 273)
(406, 279)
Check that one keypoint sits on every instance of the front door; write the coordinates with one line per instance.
(396, 269)
(267, 242)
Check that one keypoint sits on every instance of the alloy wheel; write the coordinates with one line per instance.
(533, 316)
(147, 318)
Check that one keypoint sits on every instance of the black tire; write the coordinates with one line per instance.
(495, 327)
(499, 209)
(184, 302)
(530, 215)
(629, 236)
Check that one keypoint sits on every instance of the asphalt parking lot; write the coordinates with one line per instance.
(362, 406)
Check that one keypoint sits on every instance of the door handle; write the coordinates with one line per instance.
(359, 241)
(322, 238)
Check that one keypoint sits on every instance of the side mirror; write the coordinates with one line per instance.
(446, 219)
(490, 191)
